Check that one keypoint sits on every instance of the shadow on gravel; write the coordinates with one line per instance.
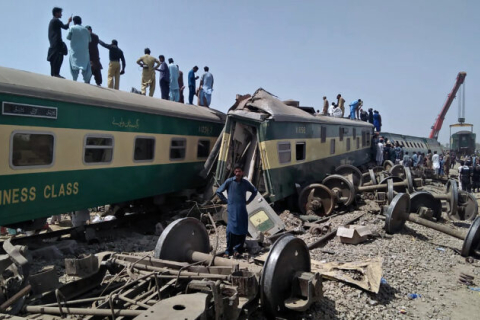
(385, 295)
(408, 231)
(461, 224)
(325, 309)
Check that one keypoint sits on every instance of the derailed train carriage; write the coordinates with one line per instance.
(70, 146)
(285, 150)
(288, 153)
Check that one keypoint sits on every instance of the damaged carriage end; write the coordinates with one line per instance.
(286, 151)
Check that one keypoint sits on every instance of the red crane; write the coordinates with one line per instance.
(439, 121)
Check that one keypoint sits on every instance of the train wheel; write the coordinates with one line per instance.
(316, 199)
(351, 173)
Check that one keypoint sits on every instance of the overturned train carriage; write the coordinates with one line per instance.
(69, 146)
(281, 147)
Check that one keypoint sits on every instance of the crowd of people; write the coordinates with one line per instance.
(469, 169)
(357, 112)
(84, 57)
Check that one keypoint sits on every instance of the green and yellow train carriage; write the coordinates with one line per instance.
(69, 146)
(283, 148)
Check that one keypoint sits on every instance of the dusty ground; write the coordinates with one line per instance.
(417, 260)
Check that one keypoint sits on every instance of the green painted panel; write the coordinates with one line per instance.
(78, 116)
(271, 130)
(28, 196)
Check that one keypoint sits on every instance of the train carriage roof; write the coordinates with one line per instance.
(265, 106)
(31, 84)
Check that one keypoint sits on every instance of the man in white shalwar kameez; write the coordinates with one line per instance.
(379, 157)
(436, 162)
(79, 38)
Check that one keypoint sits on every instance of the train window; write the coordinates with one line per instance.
(203, 149)
(364, 138)
(358, 142)
(323, 134)
(284, 154)
(368, 138)
(144, 149)
(300, 150)
(98, 149)
(348, 144)
(332, 146)
(340, 133)
(30, 149)
(354, 133)
(178, 147)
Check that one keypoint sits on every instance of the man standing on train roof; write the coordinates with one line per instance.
(95, 64)
(206, 88)
(353, 107)
(237, 225)
(192, 84)
(341, 104)
(377, 121)
(164, 77)
(57, 48)
(370, 115)
(325, 106)
(174, 89)
(363, 115)
(148, 64)
(79, 38)
(115, 55)
(181, 85)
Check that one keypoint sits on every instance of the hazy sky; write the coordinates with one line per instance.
(400, 57)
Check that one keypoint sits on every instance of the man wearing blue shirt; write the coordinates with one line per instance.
(237, 225)
(353, 107)
(192, 84)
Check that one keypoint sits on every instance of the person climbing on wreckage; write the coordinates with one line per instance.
(237, 225)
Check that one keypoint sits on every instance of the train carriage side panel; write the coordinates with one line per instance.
(84, 155)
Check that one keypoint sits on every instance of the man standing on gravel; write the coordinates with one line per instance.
(237, 225)
(446, 164)
(379, 157)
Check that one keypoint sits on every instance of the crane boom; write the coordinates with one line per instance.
(439, 121)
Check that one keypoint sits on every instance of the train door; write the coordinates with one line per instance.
(243, 150)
